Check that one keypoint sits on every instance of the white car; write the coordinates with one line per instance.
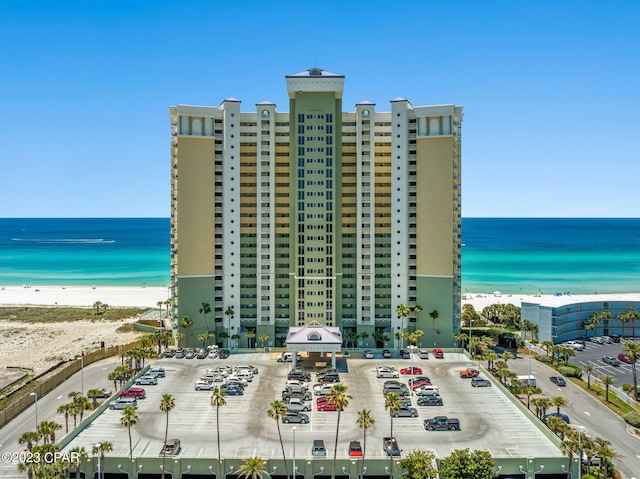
(427, 391)
(147, 381)
(387, 373)
(236, 380)
(202, 385)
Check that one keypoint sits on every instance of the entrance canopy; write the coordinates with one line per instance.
(315, 338)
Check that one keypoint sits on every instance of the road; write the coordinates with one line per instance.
(95, 376)
(584, 410)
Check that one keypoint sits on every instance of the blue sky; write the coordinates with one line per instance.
(549, 90)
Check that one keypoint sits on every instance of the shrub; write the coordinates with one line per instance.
(544, 359)
(588, 476)
(570, 372)
(627, 387)
(632, 418)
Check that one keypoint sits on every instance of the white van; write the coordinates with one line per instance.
(288, 357)
(527, 380)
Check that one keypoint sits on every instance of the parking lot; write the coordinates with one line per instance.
(593, 354)
(489, 420)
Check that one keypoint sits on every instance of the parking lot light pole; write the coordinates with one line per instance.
(580, 433)
(82, 371)
(294, 429)
(97, 447)
(471, 321)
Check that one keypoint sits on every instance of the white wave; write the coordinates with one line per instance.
(63, 240)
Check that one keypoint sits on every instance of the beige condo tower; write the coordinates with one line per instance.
(281, 219)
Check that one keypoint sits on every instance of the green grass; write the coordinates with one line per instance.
(43, 315)
(616, 404)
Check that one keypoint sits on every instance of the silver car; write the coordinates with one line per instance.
(406, 412)
(146, 381)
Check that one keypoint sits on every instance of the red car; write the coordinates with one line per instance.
(327, 406)
(134, 392)
(624, 358)
(324, 399)
(419, 384)
(438, 354)
(411, 370)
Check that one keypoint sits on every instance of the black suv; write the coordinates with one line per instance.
(404, 354)
(299, 376)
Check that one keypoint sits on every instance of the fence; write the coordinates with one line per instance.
(41, 385)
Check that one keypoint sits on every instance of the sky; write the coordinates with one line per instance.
(549, 90)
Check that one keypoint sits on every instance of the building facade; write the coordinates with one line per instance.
(279, 219)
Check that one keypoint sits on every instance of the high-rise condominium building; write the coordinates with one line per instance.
(281, 219)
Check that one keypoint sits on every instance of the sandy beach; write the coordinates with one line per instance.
(41, 346)
(134, 296)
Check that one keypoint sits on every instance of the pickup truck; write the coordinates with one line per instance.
(469, 373)
(442, 423)
(390, 446)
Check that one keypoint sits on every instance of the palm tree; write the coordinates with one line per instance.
(250, 335)
(204, 310)
(47, 431)
(417, 309)
(605, 452)
(276, 411)
(78, 456)
(229, 313)
(632, 350)
(30, 438)
(167, 403)
(186, 322)
(607, 380)
(179, 337)
(589, 368)
(203, 337)
(217, 401)
(392, 404)
(263, 338)
(102, 447)
(128, 419)
(341, 399)
(66, 410)
(252, 468)
(558, 402)
(402, 311)
(98, 306)
(94, 394)
(570, 446)
(434, 315)
(365, 421)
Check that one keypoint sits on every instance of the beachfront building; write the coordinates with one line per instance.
(566, 317)
(279, 219)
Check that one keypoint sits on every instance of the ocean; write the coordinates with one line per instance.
(510, 255)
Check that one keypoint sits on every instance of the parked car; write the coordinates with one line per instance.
(171, 448)
(322, 390)
(419, 380)
(326, 406)
(223, 353)
(318, 449)
(104, 393)
(386, 353)
(189, 354)
(413, 370)
(469, 373)
(559, 380)
(295, 417)
(404, 354)
(615, 338)
(325, 372)
(202, 385)
(232, 391)
(169, 353)
(442, 423)
(368, 354)
(298, 405)
(123, 402)
(423, 354)
(438, 354)
(564, 417)
(427, 391)
(611, 361)
(597, 340)
(288, 358)
(306, 395)
(400, 390)
(179, 353)
(390, 446)
(331, 378)
(248, 367)
(387, 373)
(134, 392)
(355, 449)
(157, 372)
(147, 380)
(201, 353)
(406, 412)
(624, 358)
(430, 401)
(405, 402)
(480, 383)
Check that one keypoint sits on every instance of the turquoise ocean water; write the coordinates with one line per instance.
(510, 255)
